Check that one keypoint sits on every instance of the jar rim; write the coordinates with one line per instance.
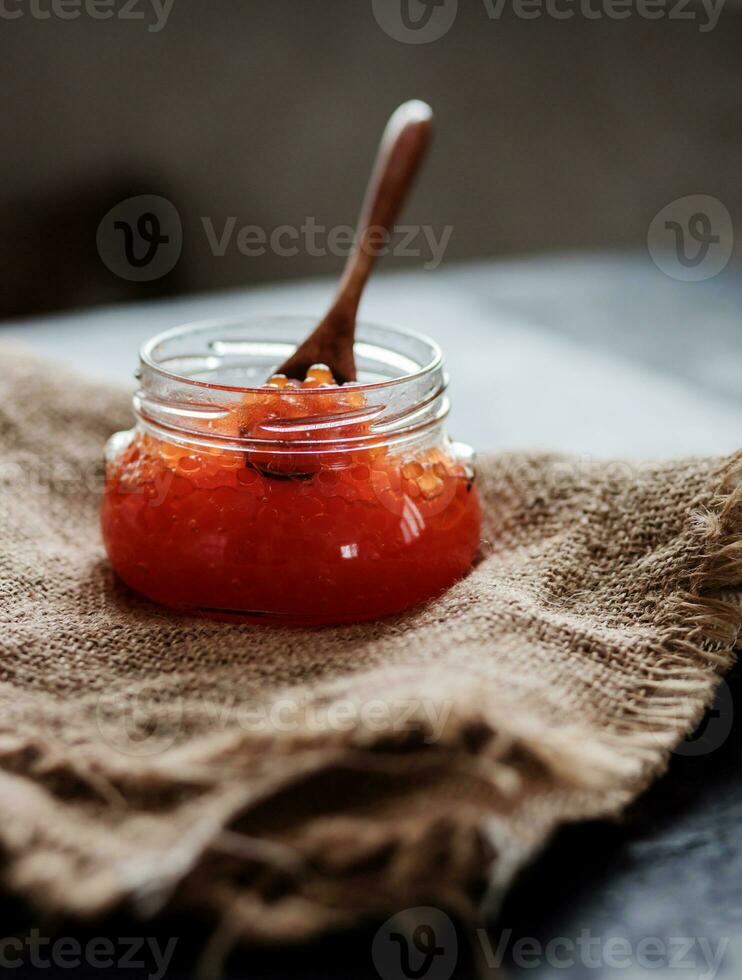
(194, 327)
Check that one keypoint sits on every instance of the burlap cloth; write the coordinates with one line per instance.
(287, 782)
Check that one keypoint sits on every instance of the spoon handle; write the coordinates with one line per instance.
(402, 148)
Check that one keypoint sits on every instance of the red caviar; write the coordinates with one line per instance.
(301, 538)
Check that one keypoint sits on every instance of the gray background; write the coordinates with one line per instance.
(552, 134)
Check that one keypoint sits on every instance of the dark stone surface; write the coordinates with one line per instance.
(669, 869)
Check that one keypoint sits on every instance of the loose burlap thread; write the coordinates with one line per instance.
(287, 782)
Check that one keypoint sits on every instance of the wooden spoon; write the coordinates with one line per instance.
(402, 148)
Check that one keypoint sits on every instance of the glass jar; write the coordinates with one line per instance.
(302, 506)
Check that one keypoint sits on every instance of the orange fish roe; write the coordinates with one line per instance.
(354, 532)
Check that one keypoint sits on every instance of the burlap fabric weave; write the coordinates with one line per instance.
(287, 782)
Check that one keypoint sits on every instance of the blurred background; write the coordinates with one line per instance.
(553, 133)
